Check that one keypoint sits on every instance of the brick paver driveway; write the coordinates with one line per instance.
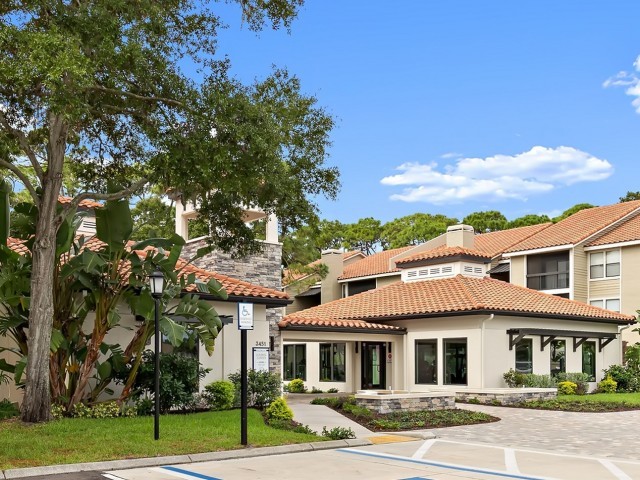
(614, 434)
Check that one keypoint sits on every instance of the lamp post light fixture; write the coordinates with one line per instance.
(156, 284)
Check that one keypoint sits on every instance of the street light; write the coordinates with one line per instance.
(156, 284)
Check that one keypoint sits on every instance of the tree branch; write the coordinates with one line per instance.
(23, 178)
(167, 101)
(107, 197)
(24, 144)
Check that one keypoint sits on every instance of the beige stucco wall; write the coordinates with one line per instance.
(384, 281)
(8, 390)
(518, 270)
(312, 340)
(580, 274)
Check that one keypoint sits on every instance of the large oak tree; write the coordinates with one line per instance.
(99, 84)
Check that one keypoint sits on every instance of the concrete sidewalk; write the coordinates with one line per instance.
(318, 416)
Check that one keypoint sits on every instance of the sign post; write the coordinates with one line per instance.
(245, 322)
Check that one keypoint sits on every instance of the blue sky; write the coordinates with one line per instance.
(458, 106)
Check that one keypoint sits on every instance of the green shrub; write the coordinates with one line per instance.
(109, 409)
(514, 379)
(58, 411)
(297, 386)
(8, 410)
(338, 433)
(608, 385)
(567, 388)
(579, 378)
(279, 410)
(145, 406)
(625, 376)
(316, 390)
(533, 380)
(262, 388)
(357, 411)
(179, 379)
(332, 390)
(219, 395)
(334, 402)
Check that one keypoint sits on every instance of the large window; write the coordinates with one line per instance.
(427, 362)
(604, 264)
(524, 356)
(361, 286)
(589, 359)
(558, 357)
(295, 362)
(548, 272)
(612, 304)
(455, 361)
(332, 362)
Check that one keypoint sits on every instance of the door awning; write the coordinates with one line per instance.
(548, 335)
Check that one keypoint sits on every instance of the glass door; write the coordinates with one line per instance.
(373, 365)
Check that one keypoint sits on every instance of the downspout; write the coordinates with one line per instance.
(482, 346)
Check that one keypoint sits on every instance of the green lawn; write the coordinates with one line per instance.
(596, 402)
(76, 440)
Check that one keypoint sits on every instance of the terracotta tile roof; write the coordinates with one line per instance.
(290, 276)
(233, 286)
(451, 296)
(495, 243)
(578, 227)
(83, 203)
(443, 252)
(629, 231)
(376, 264)
(328, 324)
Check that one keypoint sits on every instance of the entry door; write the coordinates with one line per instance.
(373, 365)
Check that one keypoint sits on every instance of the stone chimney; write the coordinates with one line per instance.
(460, 236)
(331, 289)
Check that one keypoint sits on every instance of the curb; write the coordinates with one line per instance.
(180, 459)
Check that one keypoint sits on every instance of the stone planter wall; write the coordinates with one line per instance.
(411, 402)
(507, 396)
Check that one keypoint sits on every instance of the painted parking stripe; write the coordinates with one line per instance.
(424, 448)
(450, 466)
(182, 473)
(619, 474)
(510, 460)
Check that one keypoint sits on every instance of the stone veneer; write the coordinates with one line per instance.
(507, 396)
(406, 402)
(260, 269)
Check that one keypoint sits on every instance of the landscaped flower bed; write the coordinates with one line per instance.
(399, 421)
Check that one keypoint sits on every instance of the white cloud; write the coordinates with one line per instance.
(499, 177)
(629, 80)
(450, 155)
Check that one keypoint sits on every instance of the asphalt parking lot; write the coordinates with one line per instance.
(432, 459)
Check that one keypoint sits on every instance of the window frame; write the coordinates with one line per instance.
(605, 263)
(426, 341)
(528, 342)
(594, 366)
(605, 302)
(296, 361)
(563, 365)
(551, 273)
(446, 341)
(332, 365)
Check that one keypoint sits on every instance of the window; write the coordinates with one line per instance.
(558, 357)
(604, 264)
(455, 361)
(612, 304)
(589, 359)
(332, 362)
(427, 362)
(548, 272)
(295, 362)
(524, 356)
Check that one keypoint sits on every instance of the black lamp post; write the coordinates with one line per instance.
(156, 283)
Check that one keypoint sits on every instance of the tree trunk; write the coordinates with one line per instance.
(36, 406)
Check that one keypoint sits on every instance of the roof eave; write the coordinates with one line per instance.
(334, 329)
(268, 301)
